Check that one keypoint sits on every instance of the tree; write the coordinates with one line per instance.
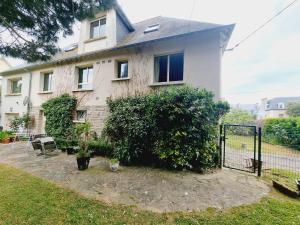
(293, 109)
(239, 116)
(30, 29)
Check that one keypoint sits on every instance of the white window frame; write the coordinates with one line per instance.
(50, 85)
(168, 68)
(280, 105)
(118, 76)
(99, 26)
(10, 85)
(89, 84)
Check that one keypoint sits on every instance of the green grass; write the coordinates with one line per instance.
(236, 141)
(25, 199)
(284, 177)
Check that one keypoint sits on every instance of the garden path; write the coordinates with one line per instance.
(147, 188)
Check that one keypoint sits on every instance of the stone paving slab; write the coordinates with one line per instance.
(151, 189)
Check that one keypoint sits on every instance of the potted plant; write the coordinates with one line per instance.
(83, 132)
(5, 137)
(83, 159)
(298, 184)
(114, 164)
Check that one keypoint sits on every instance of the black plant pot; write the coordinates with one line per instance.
(83, 163)
(298, 184)
(63, 149)
(70, 150)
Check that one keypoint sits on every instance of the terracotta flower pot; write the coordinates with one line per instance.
(6, 141)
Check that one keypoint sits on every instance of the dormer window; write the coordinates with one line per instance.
(280, 105)
(98, 28)
(152, 28)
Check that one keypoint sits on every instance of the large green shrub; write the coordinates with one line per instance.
(59, 115)
(174, 128)
(283, 131)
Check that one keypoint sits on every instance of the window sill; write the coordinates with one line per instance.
(95, 39)
(82, 90)
(78, 121)
(18, 94)
(158, 84)
(121, 79)
(45, 92)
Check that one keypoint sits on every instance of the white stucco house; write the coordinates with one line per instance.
(4, 65)
(114, 58)
(275, 107)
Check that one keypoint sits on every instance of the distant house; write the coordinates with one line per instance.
(274, 108)
(4, 65)
(251, 108)
(115, 58)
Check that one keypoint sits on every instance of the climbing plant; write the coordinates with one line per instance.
(59, 115)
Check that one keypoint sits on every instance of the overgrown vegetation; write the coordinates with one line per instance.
(29, 200)
(175, 128)
(283, 131)
(26, 121)
(293, 109)
(59, 115)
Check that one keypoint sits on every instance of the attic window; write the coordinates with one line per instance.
(152, 28)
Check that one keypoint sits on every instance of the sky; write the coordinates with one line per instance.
(266, 65)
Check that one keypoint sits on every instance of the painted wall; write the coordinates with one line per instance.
(113, 23)
(202, 63)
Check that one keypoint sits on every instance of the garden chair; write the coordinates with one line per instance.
(45, 144)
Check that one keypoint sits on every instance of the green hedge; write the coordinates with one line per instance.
(283, 131)
(59, 115)
(174, 128)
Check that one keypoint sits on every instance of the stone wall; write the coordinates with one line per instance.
(96, 115)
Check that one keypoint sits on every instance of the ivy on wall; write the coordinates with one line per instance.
(59, 115)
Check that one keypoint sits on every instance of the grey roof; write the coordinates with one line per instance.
(169, 28)
(273, 103)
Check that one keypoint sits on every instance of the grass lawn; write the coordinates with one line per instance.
(26, 199)
(236, 141)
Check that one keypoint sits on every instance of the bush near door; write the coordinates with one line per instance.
(175, 128)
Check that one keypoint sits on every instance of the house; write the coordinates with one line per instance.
(274, 108)
(115, 58)
(4, 65)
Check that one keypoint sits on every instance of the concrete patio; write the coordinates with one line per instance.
(151, 189)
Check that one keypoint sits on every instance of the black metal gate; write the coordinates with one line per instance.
(239, 147)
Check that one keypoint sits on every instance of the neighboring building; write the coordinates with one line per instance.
(115, 58)
(274, 108)
(4, 65)
(251, 108)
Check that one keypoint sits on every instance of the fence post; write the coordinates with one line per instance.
(259, 152)
(220, 146)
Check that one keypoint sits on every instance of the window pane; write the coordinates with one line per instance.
(161, 68)
(81, 115)
(85, 78)
(47, 82)
(94, 30)
(102, 30)
(122, 69)
(176, 67)
(16, 86)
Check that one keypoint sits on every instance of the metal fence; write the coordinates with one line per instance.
(251, 149)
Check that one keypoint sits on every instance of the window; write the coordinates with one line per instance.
(98, 28)
(81, 115)
(280, 105)
(152, 28)
(15, 86)
(47, 81)
(122, 69)
(85, 76)
(168, 68)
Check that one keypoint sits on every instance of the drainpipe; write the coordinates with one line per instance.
(29, 91)
(29, 94)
